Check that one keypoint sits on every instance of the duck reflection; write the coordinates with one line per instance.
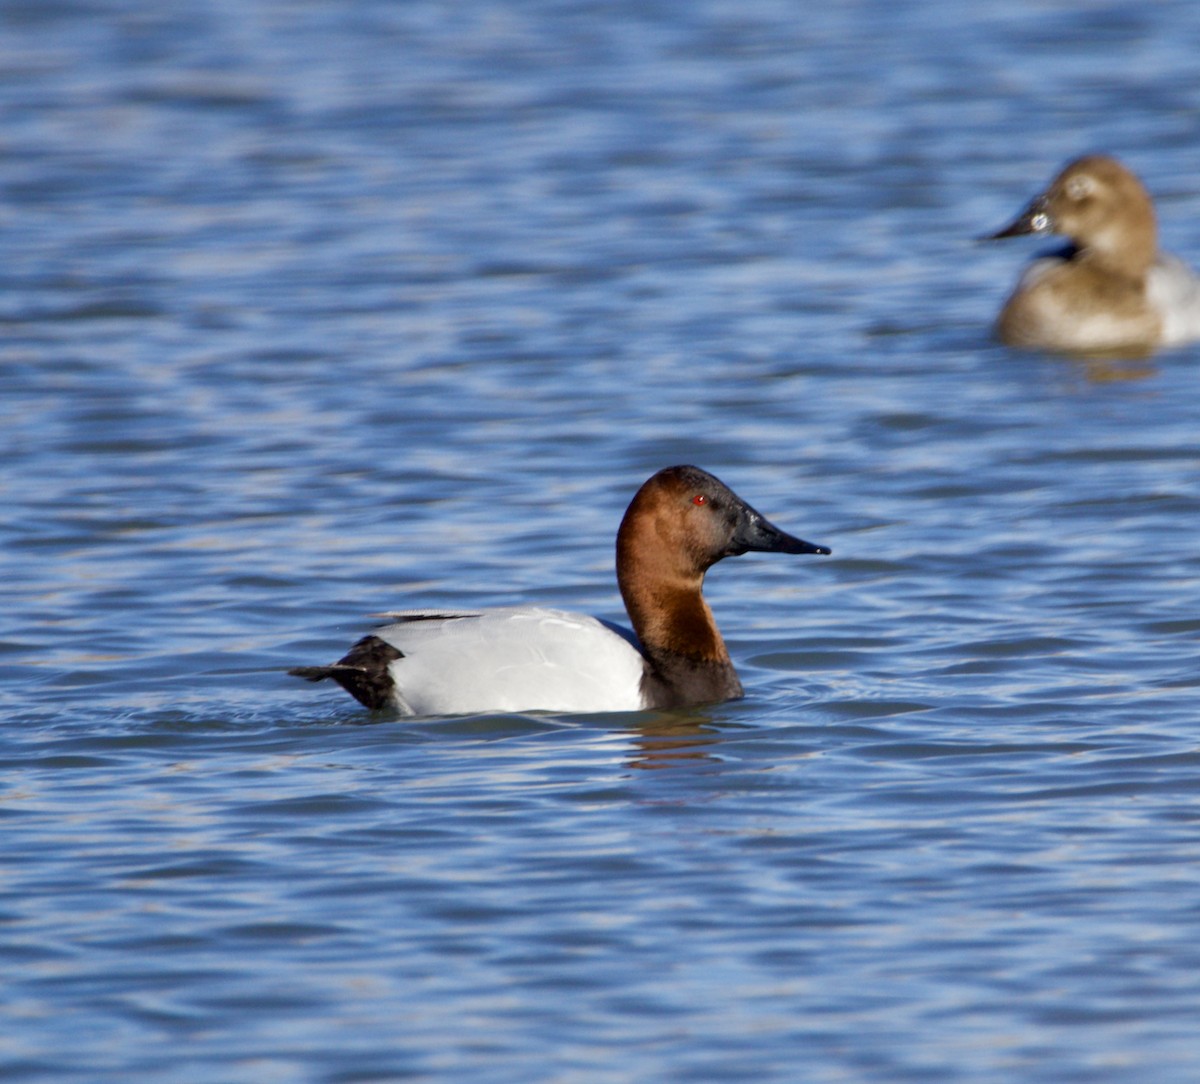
(673, 740)
(1107, 370)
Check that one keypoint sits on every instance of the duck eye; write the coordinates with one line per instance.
(699, 498)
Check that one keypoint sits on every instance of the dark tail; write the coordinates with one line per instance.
(363, 672)
(314, 673)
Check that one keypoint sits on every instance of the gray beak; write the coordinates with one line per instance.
(754, 532)
(1034, 219)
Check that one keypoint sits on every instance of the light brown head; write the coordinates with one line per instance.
(1101, 206)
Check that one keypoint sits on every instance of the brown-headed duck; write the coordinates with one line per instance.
(679, 524)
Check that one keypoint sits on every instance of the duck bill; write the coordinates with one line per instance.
(1034, 219)
(760, 535)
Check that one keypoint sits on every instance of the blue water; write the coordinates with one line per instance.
(309, 311)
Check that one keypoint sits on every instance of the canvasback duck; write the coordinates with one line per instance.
(1110, 291)
(679, 524)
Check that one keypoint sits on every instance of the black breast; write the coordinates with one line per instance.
(675, 681)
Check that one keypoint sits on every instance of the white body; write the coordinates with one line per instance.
(1174, 290)
(521, 658)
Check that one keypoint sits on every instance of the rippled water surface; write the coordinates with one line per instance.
(314, 310)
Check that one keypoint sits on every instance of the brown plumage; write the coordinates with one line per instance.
(1110, 291)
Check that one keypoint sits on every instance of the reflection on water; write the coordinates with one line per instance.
(1107, 371)
(673, 739)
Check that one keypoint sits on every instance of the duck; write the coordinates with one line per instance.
(680, 523)
(1110, 290)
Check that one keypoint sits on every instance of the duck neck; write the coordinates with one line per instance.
(674, 619)
(687, 661)
(1126, 249)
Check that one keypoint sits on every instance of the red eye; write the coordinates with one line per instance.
(699, 498)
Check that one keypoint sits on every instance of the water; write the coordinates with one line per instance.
(311, 311)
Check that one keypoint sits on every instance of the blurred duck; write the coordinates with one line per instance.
(523, 658)
(1110, 291)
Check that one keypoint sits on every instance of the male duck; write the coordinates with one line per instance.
(1110, 291)
(679, 524)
